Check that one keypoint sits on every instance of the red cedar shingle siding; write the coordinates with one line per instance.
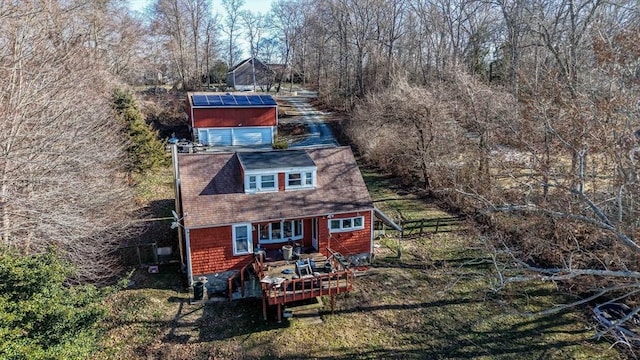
(213, 194)
(212, 248)
(212, 251)
(347, 242)
(352, 242)
(234, 117)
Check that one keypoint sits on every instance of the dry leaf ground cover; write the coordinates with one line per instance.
(433, 303)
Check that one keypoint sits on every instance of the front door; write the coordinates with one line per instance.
(314, 233)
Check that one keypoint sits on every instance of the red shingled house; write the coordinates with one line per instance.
(232, 119)
(241, 211)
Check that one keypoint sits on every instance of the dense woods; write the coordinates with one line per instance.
(521, 115)
(525, 108)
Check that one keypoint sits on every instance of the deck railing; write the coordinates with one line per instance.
(308, 287)
(340, 280)
(235, 276)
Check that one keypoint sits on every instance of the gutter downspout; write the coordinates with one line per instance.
(193, 125)
(371, 250)
(189, 269)
(178, 202)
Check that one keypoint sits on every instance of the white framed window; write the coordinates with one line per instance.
(280, 231)
(294, 179)
(267, 182)
(260, 182)
(346, 224)
(242, 239)
(302, 179)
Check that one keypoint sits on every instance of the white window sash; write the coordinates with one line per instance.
(248, 240)
(302, 179)
(271, 240)
(350, 224)
(259, 183)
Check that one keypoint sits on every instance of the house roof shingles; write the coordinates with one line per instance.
(275, 159)
(212, 190)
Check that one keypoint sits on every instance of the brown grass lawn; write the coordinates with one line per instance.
(433, 303)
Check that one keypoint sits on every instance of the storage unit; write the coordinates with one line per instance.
(232, 119)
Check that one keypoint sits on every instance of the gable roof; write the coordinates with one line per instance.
(256, 62)
(212, 190)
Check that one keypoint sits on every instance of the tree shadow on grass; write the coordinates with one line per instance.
(459, 341)
(216, 321)
(154, 225)
(442, 332)
(231, 319)
(473, 263)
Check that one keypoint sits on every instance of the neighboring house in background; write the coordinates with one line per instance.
(232, 119)
(250, 72)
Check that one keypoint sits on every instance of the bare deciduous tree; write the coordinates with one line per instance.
(410, 131)
(60, 145)
(231, 22)
(185, 28)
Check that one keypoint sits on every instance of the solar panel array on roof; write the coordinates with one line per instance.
(231, 100)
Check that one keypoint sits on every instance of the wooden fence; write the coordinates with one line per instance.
(422, 226)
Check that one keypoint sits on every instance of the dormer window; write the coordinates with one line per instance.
(277, 170)
(260, 182)
(302, 179)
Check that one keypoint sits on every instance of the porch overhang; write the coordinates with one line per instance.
(385, 219)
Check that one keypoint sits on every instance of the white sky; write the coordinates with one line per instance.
(254, 5)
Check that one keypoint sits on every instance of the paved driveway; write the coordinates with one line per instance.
(319, 133)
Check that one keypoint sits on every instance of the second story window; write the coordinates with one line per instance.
(256, 183)
(303, 179)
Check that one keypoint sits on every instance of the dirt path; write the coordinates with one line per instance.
(319, 132)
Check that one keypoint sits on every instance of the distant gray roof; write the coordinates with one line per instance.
(248, 60)
(275, 159)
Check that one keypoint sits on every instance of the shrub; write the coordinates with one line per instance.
(42, 318)
(145, 149)
(280, 144)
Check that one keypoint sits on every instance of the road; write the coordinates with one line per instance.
(319, 133)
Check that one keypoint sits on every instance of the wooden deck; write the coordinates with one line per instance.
(281, 284)
(278, 282)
